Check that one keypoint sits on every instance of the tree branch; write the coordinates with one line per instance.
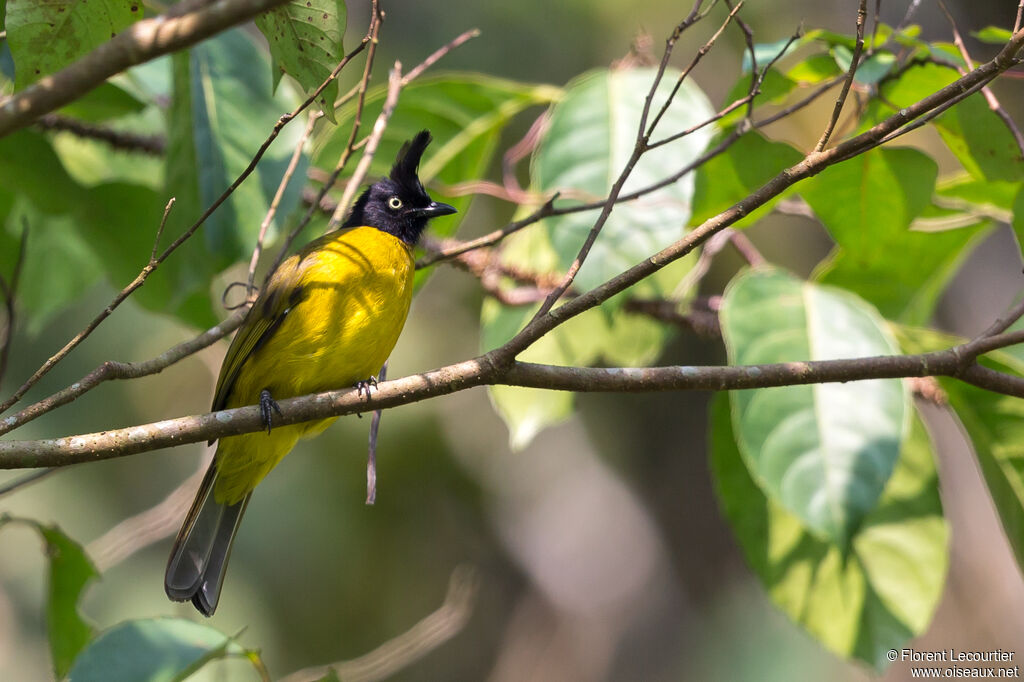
(957, 361)
(183, 25)
(858, 48)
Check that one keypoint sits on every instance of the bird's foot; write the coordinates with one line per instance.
(364, 386)
(267, 408)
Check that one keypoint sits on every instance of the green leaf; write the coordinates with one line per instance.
(525, 411)
(995, 35)
(859, 605)
(59, 266)
(766, 52)
(590, 137)
(29, 168)
(774, 89)
(981, 141)
(103, 103)
(868, 204)
(979, 195)
(973, 132)
(120, 223)
(871, 70)
(305, 38)
(151, 650)
(47, 36)
(749, 163)
(70, 571)
(221, 113)
(814, 69)
(823, 451)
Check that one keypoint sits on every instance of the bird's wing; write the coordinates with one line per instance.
(281, 294)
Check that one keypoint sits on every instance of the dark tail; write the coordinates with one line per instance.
(200, 555)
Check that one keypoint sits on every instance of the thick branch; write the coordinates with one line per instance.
(957, 362)
(183, 25)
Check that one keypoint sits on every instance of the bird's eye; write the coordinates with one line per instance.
(394, 203)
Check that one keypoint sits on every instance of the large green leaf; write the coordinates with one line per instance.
(973, 132)
(151, 650)
(750, 162)
(70, 571)
(823, 451)
(859, 604)
(591, 135)
(868, 204)
(47, 36)
(221, 113)
(60, 264)
(29, 168)
(305, 38)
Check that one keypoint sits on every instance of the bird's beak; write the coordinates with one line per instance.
(435, 209)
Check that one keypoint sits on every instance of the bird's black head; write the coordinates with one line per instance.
(398, 204)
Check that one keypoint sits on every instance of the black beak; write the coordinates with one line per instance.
(435, 209)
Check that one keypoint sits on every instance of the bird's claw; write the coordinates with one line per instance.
(267, 408)
(364, 386)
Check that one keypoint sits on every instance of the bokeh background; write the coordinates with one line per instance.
(598, 552)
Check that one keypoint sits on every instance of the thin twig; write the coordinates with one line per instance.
(438, 54)
(110, 370)
(862, 12)
(153, 145)
(27, 479)
(697, 57)
(990, 97)
(370, 149)
(371, 453)
(741, 242)
(272, 210)
(160, 229)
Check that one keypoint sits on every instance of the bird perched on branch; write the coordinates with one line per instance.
(328, 318)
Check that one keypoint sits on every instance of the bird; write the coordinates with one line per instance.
(328, 317)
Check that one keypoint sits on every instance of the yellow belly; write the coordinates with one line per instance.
(356, 290)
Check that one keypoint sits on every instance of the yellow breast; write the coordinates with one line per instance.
(354, 296)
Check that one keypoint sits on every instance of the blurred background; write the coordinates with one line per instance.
(598, 552)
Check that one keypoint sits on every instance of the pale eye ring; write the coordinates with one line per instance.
(394, 203)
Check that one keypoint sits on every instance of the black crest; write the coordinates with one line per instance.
(406, 168)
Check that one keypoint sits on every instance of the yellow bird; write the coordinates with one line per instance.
(328, 318)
